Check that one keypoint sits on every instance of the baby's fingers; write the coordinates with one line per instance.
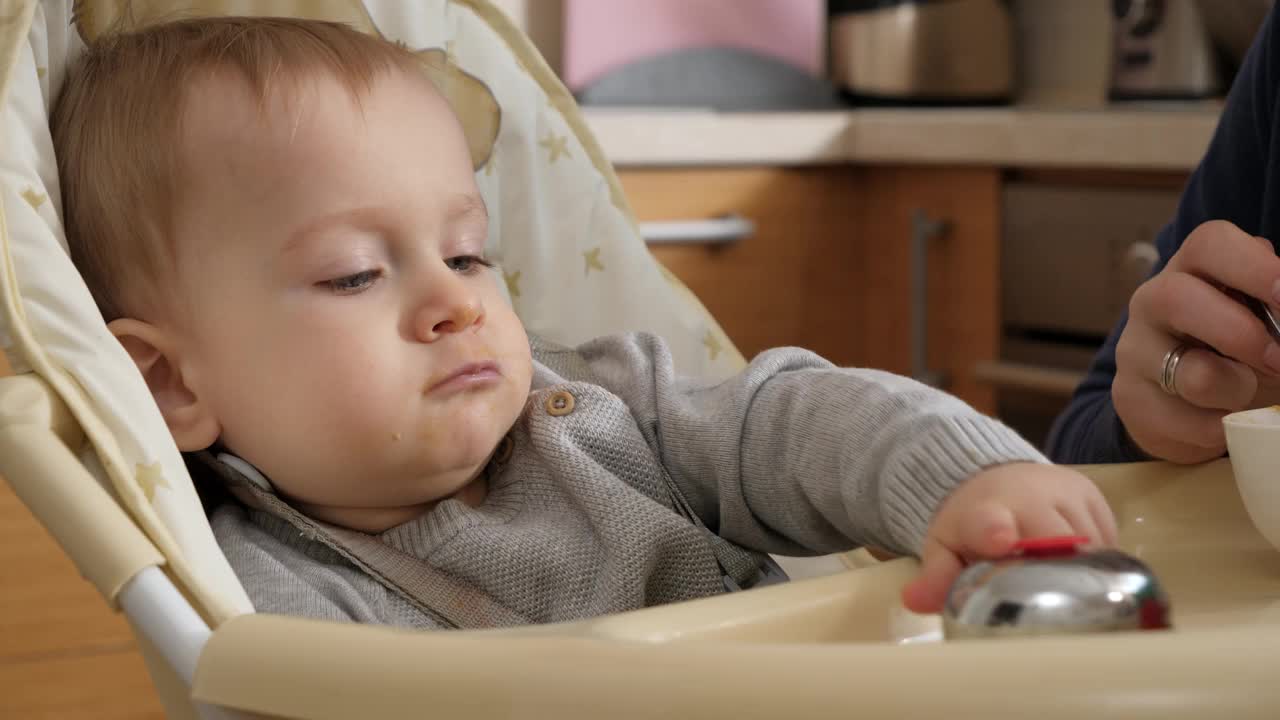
(1055, 522)
(989, 530)
(1083, 523)
(1105, 520)
(939, 568)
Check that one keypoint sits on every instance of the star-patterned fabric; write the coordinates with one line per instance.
(556, 146)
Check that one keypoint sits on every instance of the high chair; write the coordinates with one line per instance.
(85, 448)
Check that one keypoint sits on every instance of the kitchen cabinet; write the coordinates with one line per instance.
(54, 627)
(953, 217)
(878, 266)
(789, 283)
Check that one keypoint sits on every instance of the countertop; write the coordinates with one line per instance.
(1131, 137)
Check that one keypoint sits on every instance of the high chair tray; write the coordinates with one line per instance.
(829, 647)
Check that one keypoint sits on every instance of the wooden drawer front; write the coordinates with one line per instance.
(83, 685)
(795, 281)
(63, 652)
(830, 266)
(961, 300)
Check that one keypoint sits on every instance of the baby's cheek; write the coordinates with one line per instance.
(328, 400)
(368, 411)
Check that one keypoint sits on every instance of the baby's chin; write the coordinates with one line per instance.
(420, 493)
(399, 486)
(431, 479)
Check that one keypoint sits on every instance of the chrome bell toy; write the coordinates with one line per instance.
(1052, 586)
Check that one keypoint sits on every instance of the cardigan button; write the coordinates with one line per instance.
(560, 403)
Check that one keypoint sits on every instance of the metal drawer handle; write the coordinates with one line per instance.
(1139, 260)
(923, 230)
(725, 230)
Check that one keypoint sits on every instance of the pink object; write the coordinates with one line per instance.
(600, 35)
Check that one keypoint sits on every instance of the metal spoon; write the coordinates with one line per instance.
(1268, 317)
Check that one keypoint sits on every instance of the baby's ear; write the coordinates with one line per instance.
(191, 421)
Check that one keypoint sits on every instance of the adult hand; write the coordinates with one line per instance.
(1230, 363)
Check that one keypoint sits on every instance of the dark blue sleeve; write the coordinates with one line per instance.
(1233, 182)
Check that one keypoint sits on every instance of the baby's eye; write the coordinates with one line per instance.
(354, 283)
(467, 264)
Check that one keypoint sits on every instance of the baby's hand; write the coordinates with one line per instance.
(997, 507)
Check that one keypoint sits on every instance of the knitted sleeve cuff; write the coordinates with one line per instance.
(947, 452)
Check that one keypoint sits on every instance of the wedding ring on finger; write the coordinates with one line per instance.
(1169, 373)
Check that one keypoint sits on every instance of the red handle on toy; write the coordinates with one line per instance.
(1050, 546)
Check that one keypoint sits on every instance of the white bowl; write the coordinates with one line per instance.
(1253, 441)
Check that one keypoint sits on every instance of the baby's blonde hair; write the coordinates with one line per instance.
(117, 127)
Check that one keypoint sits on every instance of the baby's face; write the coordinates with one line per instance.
(334, 309)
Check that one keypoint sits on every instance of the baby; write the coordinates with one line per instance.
(280, 223)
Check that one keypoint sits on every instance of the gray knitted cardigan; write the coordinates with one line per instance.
(623, 486)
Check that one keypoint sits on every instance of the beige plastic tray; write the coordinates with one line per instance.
(828, 647)
(1188, 524)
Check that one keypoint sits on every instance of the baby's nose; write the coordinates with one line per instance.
(454, 317)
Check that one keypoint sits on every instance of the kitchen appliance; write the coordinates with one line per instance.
(749, 55)
(1232, 25)
(1162, 51)
(1050, 586)
(1064, 53)
(1071, 257)
(922, 51)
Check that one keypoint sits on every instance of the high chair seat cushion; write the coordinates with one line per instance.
(570, 255)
